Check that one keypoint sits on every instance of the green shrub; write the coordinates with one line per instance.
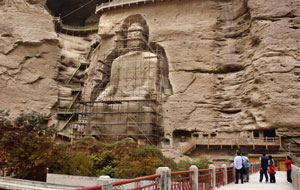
(202, 163)
(79, 164)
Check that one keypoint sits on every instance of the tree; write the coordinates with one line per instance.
(202, 163)
(141, 162)
(79, 164)
(26, 145)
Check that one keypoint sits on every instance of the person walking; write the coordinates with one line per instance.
(288, 165)
(238, 165)
(264, 168)
(272, 169)
(246, 165)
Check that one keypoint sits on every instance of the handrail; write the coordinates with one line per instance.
(239, 141)
(58, 21)
(74, 86)
(136, 179)
(74, 73)
(183, 179)
(182, 172)
(110, 4)
(96, 187)
(266, 141)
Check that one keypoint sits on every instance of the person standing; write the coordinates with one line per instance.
(238, 165)
(246, 165)
(288, 165)
(264, 168)
(272, 169)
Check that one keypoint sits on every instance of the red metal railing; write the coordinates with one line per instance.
(219, 177)
(229, 174)
(181, 180)
(140, 183)
(97, 187)
(254, 168)
(149, 183)
(204, 179)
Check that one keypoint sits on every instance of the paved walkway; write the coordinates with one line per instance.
(281, 183)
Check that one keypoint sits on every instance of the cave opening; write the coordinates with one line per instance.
(75, 12)
(270, 133)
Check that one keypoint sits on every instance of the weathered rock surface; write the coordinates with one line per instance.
(28, 57)
(233, 65)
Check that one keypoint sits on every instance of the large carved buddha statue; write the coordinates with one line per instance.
(134, 75)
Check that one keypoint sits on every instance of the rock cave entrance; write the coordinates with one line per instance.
(182, 135)
(75, 12)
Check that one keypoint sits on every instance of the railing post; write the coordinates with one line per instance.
(280, 141)
(165, 178)
(213, 176)
(105, 182)
(225, 173)
(194, 177)
(233, 172)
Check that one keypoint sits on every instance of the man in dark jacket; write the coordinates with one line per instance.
(263, 168)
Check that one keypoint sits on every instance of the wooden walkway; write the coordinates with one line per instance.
(120, 3)
(281, 183)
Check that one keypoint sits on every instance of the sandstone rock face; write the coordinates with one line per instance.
(233, 65)
(28, 57)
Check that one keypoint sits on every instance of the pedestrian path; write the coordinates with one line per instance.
(281, 183)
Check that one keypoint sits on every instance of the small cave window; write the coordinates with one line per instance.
(196, 135)
(270, 133)
(256, 134)
(205, 135)
(167, 141)
(213, 135)
(182, 135)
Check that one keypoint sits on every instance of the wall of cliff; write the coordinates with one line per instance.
(28, 57)
(234, 65)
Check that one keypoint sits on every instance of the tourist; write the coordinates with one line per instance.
(263, 168)
(288, 165)
(246, 167)
(238, 165)
(272, 170)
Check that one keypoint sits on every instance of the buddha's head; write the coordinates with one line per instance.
(136, 36)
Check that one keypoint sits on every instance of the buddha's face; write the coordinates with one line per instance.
(135, 36)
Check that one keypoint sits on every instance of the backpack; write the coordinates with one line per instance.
(272, 169)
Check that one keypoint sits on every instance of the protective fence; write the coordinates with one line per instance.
(193, 179)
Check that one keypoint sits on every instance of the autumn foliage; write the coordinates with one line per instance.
(27, 150)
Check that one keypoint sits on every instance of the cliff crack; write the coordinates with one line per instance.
(275, 18)
(227, 68)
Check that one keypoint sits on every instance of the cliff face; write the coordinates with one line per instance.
(28, 57)
(233, 65)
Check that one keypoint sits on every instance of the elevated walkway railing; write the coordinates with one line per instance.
(194, 178)
(266, 141)
(119, 3)
(240, 141)
(75, 86)
(58, 23)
